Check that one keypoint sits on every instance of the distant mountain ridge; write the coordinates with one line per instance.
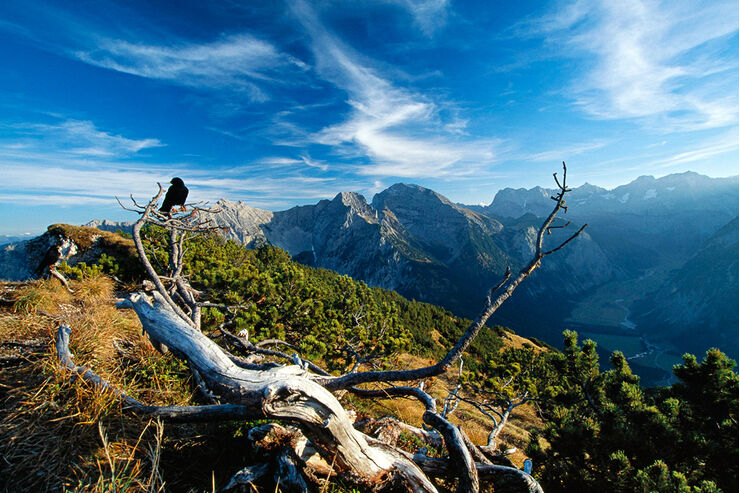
(644, 195)
(656, 266)
(701, 294)
(6, 239)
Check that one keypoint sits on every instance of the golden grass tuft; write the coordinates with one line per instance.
(512, 340)
(85, 237)
(60, 434)
(40, 295)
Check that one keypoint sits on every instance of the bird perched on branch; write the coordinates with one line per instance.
(52, 257)
(176, 195)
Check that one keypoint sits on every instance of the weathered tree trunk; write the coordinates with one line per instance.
(281, 393)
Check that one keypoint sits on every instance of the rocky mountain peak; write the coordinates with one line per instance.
(409, 192)
(511, 202)
(588, 188)
(350, 206)
(443, 228)
(250, 217)
(643, 179)
(352, 199)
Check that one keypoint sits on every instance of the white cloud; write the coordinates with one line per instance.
(235, 61)
(60, 200)
(456, 126)
(312, 163)
(98, 184)
(49, 183)
(702, 154)
(73, 163)
(275, 162)
(648, 59)
(397, 129)
(80, 138)
(377, 187)
(280, 161)
(557, 155)
(429, 15)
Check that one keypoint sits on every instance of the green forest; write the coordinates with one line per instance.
(601, 429)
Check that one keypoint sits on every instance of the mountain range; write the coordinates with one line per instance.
(643, 240)
(656, 266)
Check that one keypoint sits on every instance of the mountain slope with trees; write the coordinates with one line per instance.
(600, 429)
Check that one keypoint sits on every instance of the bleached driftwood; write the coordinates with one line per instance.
(282, 393)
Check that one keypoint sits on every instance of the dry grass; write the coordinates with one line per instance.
(476, 425)
(58, 434)
(515, 341)
(86, 237)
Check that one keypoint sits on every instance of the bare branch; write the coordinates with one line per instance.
(172, 413)
(503, 477)
(272, 342)
(179, 226)
(572, 237)
(507, 287)
(141, 206)
(127, 208)
(452, 400)
(136, 234)
(430, 404)
(208, 304)
(280, 393)
(247, 346)
(291, 392)
(460, 455)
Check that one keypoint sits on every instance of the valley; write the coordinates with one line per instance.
(605, 316)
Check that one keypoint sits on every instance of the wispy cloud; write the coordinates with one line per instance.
(63, 185)
(276, 162)
(428, 15)
(76, 137)
(555, 155)
(98, 184)
(714, 147)
(704, 155)
(234, 61)
(648, 60)
(74, 163)
(313, 163)
(397, 129)
(241, 61)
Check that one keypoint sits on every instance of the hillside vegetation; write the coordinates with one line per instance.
(56, 433)
(587, 429)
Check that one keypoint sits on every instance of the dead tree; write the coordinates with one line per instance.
(179, 226)
(300, 393)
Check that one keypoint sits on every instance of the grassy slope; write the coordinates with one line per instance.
(55, 433)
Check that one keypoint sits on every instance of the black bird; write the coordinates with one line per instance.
(50, 259)
(176, 195)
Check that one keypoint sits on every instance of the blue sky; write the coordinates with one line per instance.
(287, 103)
